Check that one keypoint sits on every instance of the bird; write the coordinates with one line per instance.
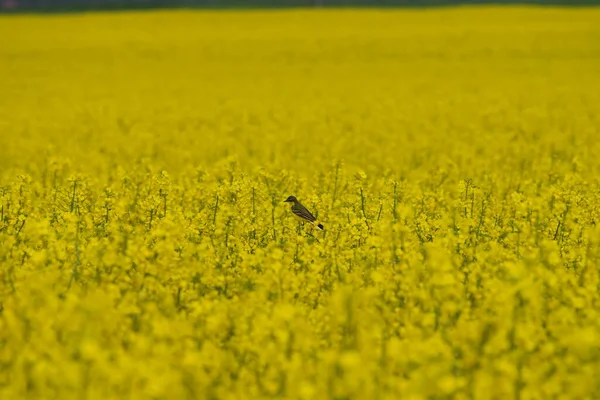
(301, 212)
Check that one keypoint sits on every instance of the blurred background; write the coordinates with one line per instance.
(74, 5)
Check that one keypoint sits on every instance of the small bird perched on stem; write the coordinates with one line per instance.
(301, 213)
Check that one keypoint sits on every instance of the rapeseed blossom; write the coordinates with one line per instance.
(146, 252)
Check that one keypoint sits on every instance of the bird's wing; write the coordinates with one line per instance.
(302, 212)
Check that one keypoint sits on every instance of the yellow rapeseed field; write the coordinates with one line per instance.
(453, 156)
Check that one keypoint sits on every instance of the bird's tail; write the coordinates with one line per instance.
(320, 226)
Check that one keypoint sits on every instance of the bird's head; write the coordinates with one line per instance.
(290, 199)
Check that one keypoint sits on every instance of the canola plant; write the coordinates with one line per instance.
(146, 251)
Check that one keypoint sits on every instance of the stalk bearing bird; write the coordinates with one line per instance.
(301, 213)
